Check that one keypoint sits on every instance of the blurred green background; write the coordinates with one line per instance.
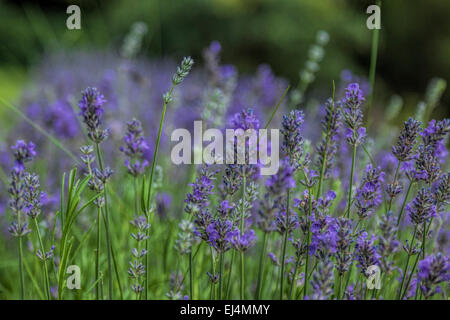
(414, 40)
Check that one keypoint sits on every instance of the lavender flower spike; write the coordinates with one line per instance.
(91, 110)
(134, 148)
(366, 253)
(406, 141)
(23, 152)
(433, 270)
(353, 114)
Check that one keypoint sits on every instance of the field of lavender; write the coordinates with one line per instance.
(93, 207)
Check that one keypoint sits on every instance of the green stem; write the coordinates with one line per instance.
(149, 195)
(230, 273)
(406, 266)
(327, 137)
(373, 66)
(106, 219)
(286, 233)
(244, 186)
(191, 281)
(339, 285)
(20, 260)
(297, 263)
(351, 181)
(220, 274)
(242, 276)
(305, 286)
(261, 266)
(395, 181)
(97, 254)
(404, 204)
(46, 278)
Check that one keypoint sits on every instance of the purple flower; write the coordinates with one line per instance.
(23, 152)
(273, 258)
(327, 148)
(245, 120)
(353, 114)
(433, 270)
(322, 281)
(388, 243)
(407, 139)
(281, 181)
(343, 244)
(422, 208)
(91, 110)
(369, 194)
(442, 191)
(241, 242)
(163, 201)
(291, 125)
(135, 144)
(366, 253)
(434, 135)
(324, 237)
(201, 190)
(218, 233)
(225, 209)
(32, 196)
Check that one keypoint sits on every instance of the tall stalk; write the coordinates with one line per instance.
(406, 266)
(327, 139)
(97, 254)
(182, 71)
(244, 186)
(297, 263)
(351, 181)
(399, 219)
(46, 277)
(107, 230)
(20, 262)
(261, 266)
(373, 66)
(283, 257)
(308, 241)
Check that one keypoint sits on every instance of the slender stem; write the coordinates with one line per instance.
(191, 277)
(327, 138)
(399, 219)
(244, 186)
(220, 274)
(213, 265)
(286, 233)
(297, 263)
(230, 273)
(46, 278)
(305, 286)
(242, 276)
(136, 195)
(149, 194)
(97, 254)
(395, 181)
(411, 275)
(351, 181)
(339, 285)
(261, 266)
(373, 66)
(106, 219)
(406, 265)
(20, 260)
